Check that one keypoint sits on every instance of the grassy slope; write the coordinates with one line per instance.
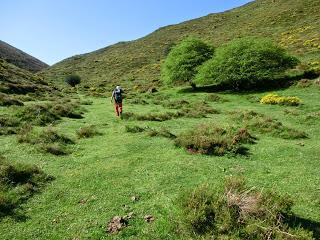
(107, 170)
(289, 22)
(11, 75)
(20, 58)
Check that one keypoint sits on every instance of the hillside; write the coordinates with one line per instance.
(19, 58)
(294, 24)
(14, 80)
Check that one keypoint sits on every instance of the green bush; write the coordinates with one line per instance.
(73, 80)
(246, 63)
(183, 61)
(236, 211)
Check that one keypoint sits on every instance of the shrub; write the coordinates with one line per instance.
(211, 140)
(18, 182)
(246, 63)
(73, 80)
(276, 99)
(183, 61)
(236, 211)
(6, 100)
(87, 131)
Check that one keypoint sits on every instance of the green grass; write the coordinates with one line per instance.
(97, 180)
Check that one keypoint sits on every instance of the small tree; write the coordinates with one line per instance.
(246, 63)
(183, 61)
(73, 80)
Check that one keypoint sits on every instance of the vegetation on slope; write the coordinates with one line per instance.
(19, 58)
(294, 24)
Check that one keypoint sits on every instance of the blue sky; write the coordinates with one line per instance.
(52, 30)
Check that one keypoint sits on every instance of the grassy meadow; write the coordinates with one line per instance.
(117, 170)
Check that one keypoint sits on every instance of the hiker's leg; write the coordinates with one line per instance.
(117, 108)
(120, 105)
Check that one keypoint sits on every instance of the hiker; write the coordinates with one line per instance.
(117, 96)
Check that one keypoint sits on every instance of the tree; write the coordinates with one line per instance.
(246, 63)
(181, 64)
(73, 80)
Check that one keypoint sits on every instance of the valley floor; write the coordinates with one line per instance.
(97, 181)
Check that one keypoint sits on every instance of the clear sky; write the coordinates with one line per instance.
(52, 30)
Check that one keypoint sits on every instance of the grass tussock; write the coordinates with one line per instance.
(151, 132)
(6, 100)
(48, 140)
(236, 211)
(162, 132)
(212, 97)
(211, 140)
(165, 116)
(48, 113)
(8, 124)
(18, 182)
(87, 131)
(263, 124)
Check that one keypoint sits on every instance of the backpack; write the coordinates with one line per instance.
(118, 95)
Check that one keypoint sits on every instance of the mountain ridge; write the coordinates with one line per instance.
(20, 59)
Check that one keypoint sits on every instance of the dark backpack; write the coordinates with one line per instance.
(118, 95)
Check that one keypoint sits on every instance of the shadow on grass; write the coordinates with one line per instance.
(313, 226)
(278, 84)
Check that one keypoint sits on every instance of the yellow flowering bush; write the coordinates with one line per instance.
(276, 99)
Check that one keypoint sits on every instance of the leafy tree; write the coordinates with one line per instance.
(73, 80)
(246, 63)
(183, 61)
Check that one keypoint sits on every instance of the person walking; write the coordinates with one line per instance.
(117, 97)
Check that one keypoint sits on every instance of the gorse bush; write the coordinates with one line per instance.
(236, 211)
(183, 61)
(18, 182)
(246, 63)
(211, 140)
(276, 99)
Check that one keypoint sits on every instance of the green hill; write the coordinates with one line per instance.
(14, 80)
(19, 58)
(294, 24)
